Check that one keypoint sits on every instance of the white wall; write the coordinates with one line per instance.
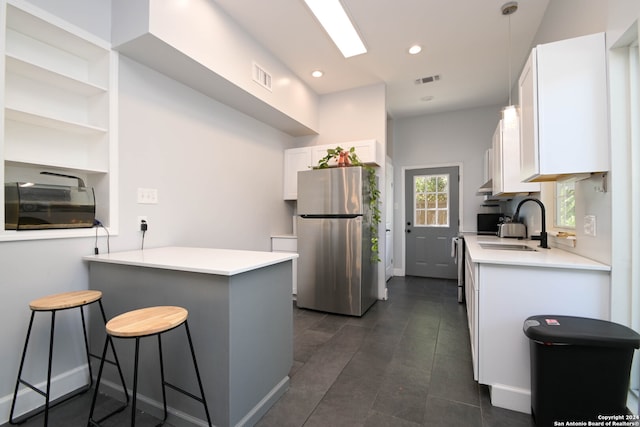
(455, 137)
(219, 180)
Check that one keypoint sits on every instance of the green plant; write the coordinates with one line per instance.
(374, 192)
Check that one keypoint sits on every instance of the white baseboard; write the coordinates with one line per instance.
(154, 407)
(28, 400)
(513, 398)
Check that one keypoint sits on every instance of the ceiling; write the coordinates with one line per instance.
(465, 42)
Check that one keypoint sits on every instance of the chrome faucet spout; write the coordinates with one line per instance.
(543, 233)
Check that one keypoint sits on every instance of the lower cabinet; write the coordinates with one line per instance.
(471, 297)
(504, 296)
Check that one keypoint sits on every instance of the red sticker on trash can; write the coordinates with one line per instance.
(552, 322)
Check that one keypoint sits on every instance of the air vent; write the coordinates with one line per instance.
(261, 76)
(423, 80)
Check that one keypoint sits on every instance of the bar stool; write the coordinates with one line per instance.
(53, 304)
(143, 323)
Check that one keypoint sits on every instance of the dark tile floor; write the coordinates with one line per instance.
(405, 363)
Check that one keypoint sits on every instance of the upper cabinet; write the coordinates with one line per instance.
(59, 98)
(506, 168)
(295, 160)
(563, 109)
(304, 158)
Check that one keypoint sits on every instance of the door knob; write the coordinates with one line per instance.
(408, 231)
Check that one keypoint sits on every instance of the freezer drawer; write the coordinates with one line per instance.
(334, 266)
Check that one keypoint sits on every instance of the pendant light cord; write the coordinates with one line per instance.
(509, 59)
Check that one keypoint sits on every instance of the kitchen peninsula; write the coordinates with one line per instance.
(240, 316)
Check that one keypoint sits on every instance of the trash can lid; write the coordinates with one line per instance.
(555, 329)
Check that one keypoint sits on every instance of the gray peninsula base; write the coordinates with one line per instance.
(242, 330)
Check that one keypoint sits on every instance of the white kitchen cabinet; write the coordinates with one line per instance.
(304, 158)
(287, 244)
(59, 99)
(563, 109)
(295, 160)
(506, 167)
(508, 295)
(471, 298)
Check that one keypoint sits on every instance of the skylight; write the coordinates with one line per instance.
(337, 24)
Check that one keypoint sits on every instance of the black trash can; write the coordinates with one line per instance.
(580, 368)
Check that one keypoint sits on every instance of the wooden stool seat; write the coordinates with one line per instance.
(141, 323)
(65, 300)
(146, 321)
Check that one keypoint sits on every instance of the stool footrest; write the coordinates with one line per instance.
(109, 415)
(183, 391)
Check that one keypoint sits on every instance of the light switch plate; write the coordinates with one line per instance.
(590, 225)
(148, 196)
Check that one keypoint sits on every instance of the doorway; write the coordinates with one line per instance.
(432, 219)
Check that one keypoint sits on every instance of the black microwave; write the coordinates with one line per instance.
(488, 223)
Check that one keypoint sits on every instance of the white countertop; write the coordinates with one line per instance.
(550, 258)
(224, 262)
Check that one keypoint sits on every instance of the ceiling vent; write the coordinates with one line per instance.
(423, 80)
(261, 76)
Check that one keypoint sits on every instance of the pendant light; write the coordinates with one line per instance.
(509, 113)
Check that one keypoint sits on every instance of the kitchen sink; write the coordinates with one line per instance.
(506, 246)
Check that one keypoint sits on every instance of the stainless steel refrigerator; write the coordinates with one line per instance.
(336, 273)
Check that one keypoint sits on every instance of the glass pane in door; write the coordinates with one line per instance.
(431, 200)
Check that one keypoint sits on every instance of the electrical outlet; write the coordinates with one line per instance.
(590, 225)
(140, 219)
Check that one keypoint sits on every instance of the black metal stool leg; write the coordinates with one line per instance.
(86, 347)
(48, 393)
(115, 357)
(195, 365)
(95, 392)
(164, 391)
(18, 380)
(135, 383)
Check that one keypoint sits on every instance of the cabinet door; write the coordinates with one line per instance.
(528, 119)
(295, 160)
(506, 170)
(471, 295)
(496, 173)
(572, 106)
(563, 98)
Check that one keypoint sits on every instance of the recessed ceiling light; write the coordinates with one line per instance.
(415, 49)
(337, 24)
(317, 73)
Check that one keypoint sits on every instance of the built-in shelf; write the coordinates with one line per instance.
(37, 73)
(51, 122)
(59, 96)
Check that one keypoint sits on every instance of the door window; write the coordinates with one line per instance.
(431, 200)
